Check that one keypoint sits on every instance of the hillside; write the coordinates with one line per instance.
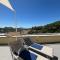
(49, 28)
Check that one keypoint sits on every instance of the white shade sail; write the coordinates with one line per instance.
(7, 4)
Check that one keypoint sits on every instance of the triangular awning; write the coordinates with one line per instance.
(7, 4)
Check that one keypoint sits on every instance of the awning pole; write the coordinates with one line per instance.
(15, 24)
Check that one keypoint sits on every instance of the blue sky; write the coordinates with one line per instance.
(30, 13)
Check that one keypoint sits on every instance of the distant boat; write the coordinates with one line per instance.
(3, 34)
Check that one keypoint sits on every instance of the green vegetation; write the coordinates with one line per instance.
(49, 28)
(9, 29)
(6, 29)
